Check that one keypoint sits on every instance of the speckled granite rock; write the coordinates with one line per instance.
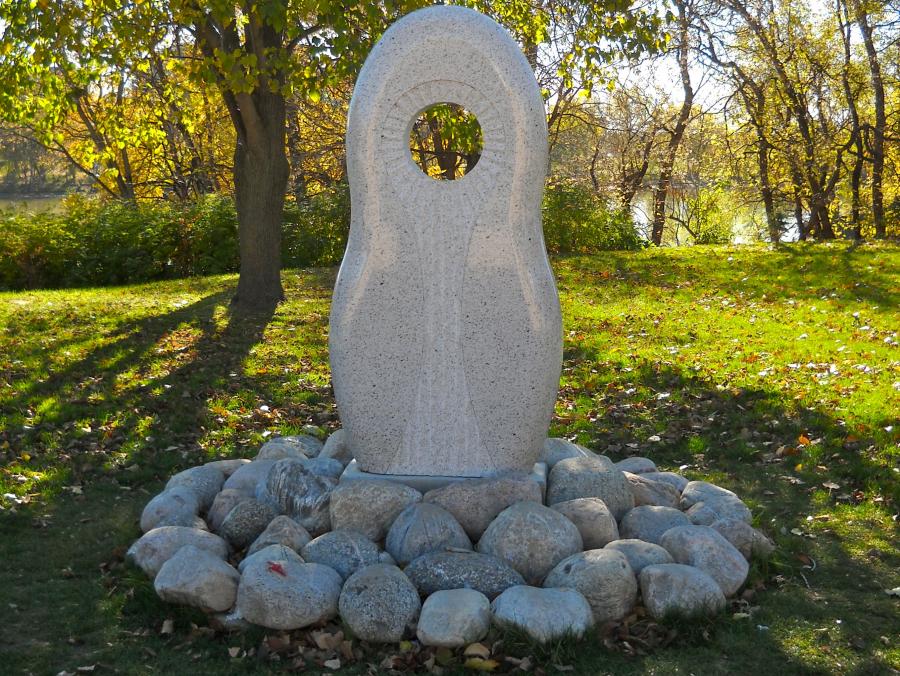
(603, 577)
(228, 466)
(282, 530)
(592, 518)
(246, 478)
(544, 614)
(157, 546)
(298, 446)
(194, 577)
(750, 542)
(454, 618)
(269, 553)
(704, 548)
(656, 493)
(641, 554)
(370, 506)
(431, 274)
(422, 528)
(705, 502)
(224, 503)
(462, 570)
(344, 550)
(176, 506)
(636, 465)
(590, 478)
(380, 604)
(474, 504)
(675, 590)
(531, 538)
(287, 593)
(649, 523)
(337, 448)
(203, 481)
(677, 481)
(245, 522)
(556, 449)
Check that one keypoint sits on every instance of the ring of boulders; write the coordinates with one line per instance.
(279, 542)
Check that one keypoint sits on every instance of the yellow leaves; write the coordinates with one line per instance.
(478, 664)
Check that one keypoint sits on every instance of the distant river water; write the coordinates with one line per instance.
(32, 203)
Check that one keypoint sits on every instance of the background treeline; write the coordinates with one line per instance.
(693, 121)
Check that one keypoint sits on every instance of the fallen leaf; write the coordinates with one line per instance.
(893, 592)
(334, 664)
(234, 652)
(830, 485)
(477, 650)
(168, 627)
(479, 664)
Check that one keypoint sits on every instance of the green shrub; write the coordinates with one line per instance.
(577, 220)
(93, 242)
(315, 231)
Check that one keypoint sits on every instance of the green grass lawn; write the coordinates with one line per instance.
(775, 374)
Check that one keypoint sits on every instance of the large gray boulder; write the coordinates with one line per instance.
(157, 546)
(245, 522)
(176, 506)
(227, 467)
(531, 538)
(422, 528)
(556, 449)
(282, 530)
(636, 465)
(380, 604)
(704, 548)
(194, 577)
(454, 618)
(649, 523)
(705, 503)
(592, 518)
(224, 503)
(203, 481)
(656, 493)
(475, 503)
(247, 478)
(297, 446)
(640, 554)
(294, 489)
(338, 448)
(590, 477)
(706, 513)
(344, 550)
(674, 590)
(438, 571)
(603, 577)
(270, 553)
(677, 481)
(370, 506)
(286, 593)
(750, 542)
(543, 614)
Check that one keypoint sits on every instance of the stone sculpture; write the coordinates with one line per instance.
(445, 337)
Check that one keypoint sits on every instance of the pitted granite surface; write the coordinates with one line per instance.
(446, 336)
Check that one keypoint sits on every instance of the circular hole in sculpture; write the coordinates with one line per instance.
(445, 141)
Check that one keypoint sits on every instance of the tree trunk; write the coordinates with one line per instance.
(261, 174)
(862, 19)
(665, 172)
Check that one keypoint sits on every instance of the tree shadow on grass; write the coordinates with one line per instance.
(140, 395)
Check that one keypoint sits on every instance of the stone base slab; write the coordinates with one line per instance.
(425, 483)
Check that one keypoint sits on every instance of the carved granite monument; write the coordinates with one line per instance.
(445, 339)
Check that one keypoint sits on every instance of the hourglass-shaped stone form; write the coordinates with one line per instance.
(446, 336)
